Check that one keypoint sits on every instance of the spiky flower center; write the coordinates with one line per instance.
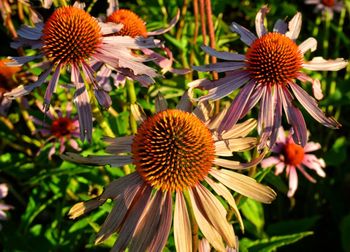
(293, 153)
(70, 35)
(274, 59)
(62, 126)
(328, 3)
(173, 150)
(133, 25)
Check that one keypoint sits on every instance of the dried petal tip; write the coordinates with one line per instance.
(83, 208)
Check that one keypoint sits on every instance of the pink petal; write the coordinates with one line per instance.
(266, 115)
(312, 162)
(311, 106)
(3, 190)
(279, 168)
(316, 85)
(270, 161)
(294, 27)
(308, 44)
(51, 88)
(221, 66)
(306, 175)
(277, 118)
(246, 36)
(110, 27)
(312, 146)
(293, 181)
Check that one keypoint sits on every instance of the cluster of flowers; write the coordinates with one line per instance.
(178, 151)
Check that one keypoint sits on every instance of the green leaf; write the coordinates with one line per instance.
(271, 244)
(254, 212)
(337, 153)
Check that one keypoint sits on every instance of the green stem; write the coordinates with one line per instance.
(317, 24)
(326, 34)
(193, 221)
(132, 98)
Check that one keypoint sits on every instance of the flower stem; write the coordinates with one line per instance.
(193, 222)
(132, 98)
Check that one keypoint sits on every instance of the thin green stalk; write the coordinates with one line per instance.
(193, 221)
(132, 98)
(317, 24)
(327, 23)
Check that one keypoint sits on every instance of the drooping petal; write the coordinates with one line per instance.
(221, 190)
(20, 61)
(128, 227)
(244, 185)
(319, 63)
(82, 101)
(294, 117)
(170, 26)
(294, 27)
(97, 160)
(51, 88)
(277, 118)
(316, 85)
(223, 55)
(32, 33)
(237, 106)
(247, 36)
(205, 204)
(314, 163)
(259, 21)
(24, 90)
(124, 197)
(311, 106)
(182, 225)
(308, 44)
(293, 181)
(110, 27)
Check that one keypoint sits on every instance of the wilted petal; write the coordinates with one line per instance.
(294, 27)
(113, 160)
(110, 27)
(185, 103)
(119, 144)
(319, 63)
(244, 185)
(182, 225)
(316, 85)
(220, 66)
(223, 55)
(280, 26)
(84, 207)
(20, 61)
(160, 103)
(138, 113)
(246, 36)
(51, 88)
(309, 44)
(259, 21)
(170, 26)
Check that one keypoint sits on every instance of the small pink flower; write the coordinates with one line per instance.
(268, 73)
(326, 6)
(62, 129)
(294, 157)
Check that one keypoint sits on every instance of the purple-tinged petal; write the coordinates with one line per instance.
(270, 161)
(223, 90)
(280, 26)
(31, 33)
(277, 118)
(294, 27)
(24, 90)
(259, 21)
(170, 26)
(237, 106)
(266, 115)
(247, 36)
(82, 101)
(319, 63)
(112, 160)
(311, 146)
(220, 67)
(309, 44)
(294, 117)
(110, 27)
(311, 106)
(223, 55)
(293, 181)
(20, 61)
(253, 100)
(185, 103)
(51, 88)
(306, 175)
(160, 103)
(20, 42)
(182, 224)
(119, 144)
(103, 98)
